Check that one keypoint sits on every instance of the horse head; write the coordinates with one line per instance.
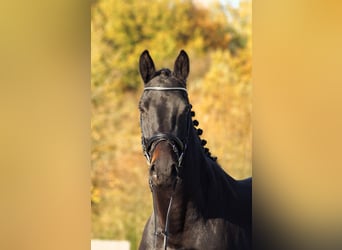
(165, 118)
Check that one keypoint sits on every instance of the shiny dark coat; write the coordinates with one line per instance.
(210, 209)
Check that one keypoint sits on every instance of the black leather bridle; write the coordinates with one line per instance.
(179, 147)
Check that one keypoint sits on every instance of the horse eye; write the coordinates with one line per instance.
(141, 109)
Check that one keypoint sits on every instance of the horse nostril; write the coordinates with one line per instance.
(153, 172)
(174, 171)
(152, 168)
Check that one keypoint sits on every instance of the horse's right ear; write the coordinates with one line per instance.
(146, 66)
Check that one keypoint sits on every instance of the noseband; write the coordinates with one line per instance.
(178, 147)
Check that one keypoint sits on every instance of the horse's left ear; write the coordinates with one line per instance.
(182, 66)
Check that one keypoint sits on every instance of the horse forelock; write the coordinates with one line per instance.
(165, 78)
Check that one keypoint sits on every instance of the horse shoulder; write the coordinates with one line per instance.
(216, 233)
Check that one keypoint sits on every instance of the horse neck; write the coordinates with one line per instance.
(182, 203)
(202, 184)
(177, 211)
(206, 182)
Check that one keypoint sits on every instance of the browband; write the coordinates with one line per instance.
(165, 88)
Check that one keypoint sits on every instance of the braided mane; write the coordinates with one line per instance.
(203, 142)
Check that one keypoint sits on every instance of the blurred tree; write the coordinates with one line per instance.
(225, 97)
(122, 29)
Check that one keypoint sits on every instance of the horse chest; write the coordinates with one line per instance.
(210, 235)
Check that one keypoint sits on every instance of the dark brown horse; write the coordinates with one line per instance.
(196, 205)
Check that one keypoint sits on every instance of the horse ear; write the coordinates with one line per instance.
(146, 66)
(182, 66)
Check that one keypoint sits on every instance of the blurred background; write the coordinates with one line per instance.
(217, 37)
(45, 115)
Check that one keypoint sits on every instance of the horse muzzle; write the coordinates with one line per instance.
(164, 163)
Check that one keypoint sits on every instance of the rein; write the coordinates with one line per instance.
(179, 147)
(165, 232)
